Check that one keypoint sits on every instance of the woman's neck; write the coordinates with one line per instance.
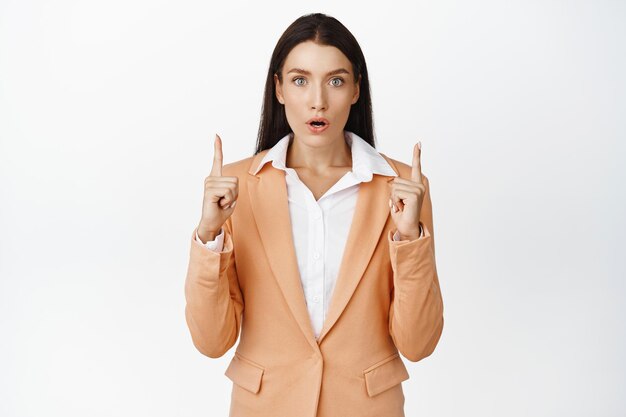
(319, 158)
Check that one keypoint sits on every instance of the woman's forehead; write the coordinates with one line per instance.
(312, 58)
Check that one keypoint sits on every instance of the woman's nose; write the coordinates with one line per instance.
(318, 98)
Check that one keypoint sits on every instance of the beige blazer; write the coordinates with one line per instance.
(386, 301)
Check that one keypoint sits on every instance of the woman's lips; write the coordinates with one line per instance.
(317, 128)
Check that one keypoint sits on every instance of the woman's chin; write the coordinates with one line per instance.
(318, 139)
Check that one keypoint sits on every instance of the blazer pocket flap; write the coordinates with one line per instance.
(245, 373)
(385, 374)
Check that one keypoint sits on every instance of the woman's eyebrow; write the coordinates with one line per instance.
(305, 72)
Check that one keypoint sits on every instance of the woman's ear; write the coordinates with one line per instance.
(357, 91)
(279, 90)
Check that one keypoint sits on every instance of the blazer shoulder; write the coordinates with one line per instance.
(238, 168)
(403, 169)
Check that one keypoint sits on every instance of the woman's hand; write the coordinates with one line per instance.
(220, 196)
(407, 197)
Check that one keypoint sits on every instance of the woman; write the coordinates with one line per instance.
(317, 249)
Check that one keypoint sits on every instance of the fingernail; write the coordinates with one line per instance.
(390, 203)
(233, 205)
(395, 209)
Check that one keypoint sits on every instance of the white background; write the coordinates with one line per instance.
(107, 116)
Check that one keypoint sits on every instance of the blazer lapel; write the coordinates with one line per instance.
(370, 216)
(270, 206)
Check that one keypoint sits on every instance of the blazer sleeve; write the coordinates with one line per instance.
(214, 302)
(416, 311)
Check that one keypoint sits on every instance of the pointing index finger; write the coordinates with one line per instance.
(216, 168)
(416, 166)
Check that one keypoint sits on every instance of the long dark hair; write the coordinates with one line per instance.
(323, 30)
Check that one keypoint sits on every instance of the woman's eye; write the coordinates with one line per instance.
(295, 80)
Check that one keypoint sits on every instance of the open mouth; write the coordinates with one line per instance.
(317, 124)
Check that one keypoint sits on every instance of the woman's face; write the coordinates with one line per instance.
(317, 82)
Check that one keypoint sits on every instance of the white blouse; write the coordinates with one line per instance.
(320, 228)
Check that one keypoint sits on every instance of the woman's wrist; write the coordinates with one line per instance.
(207, 235)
